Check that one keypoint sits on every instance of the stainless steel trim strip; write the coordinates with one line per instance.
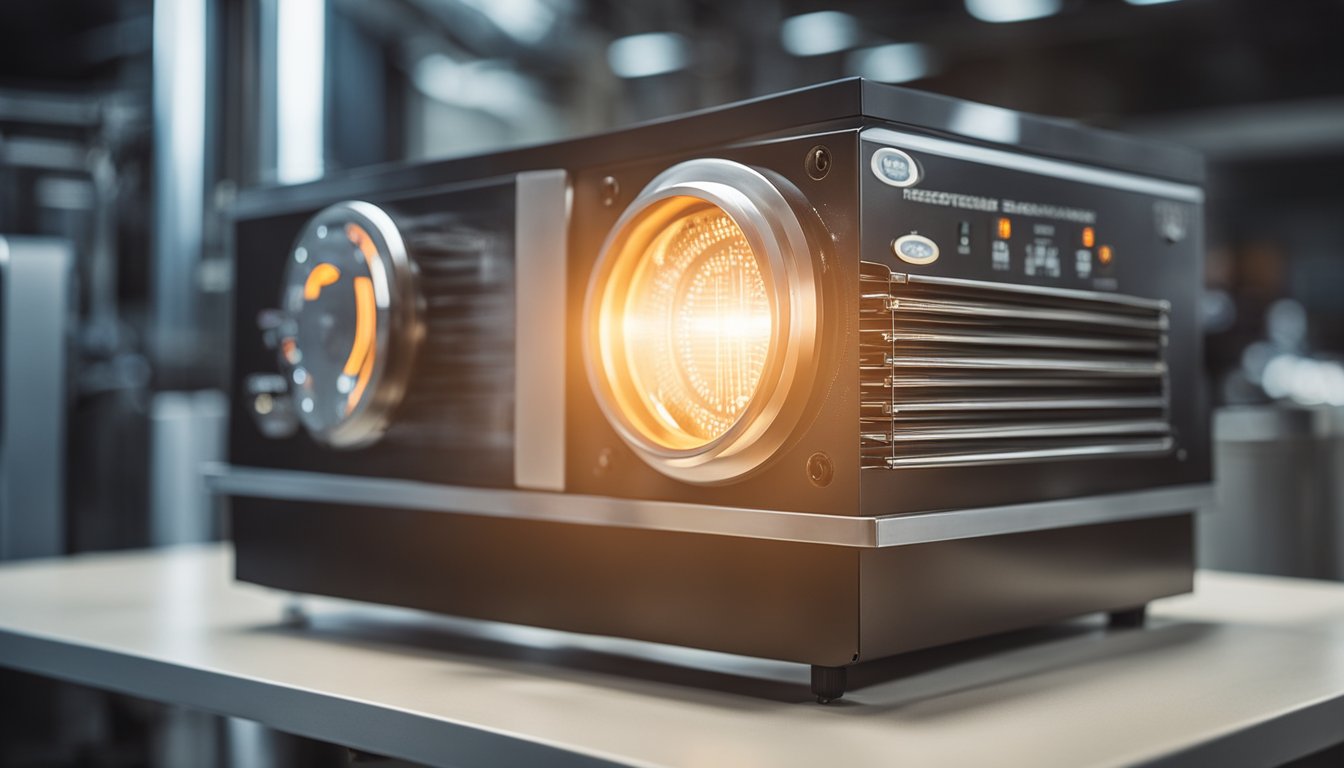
(920, 305)
(1148, 447)
(838, 530)
(1039, 516)
(541, 235)
(1033, 164)
(1070, 403)
(992, 338)
(913, 381)
(1098, 367)
(1020, 431)
(1137, 302)
(540, 505)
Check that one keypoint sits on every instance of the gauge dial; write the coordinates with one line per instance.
(350, 324)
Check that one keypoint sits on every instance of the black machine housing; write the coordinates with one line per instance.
(872, 529)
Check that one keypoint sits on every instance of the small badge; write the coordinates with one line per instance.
(895, 167)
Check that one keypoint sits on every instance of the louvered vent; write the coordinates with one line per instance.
(963, 372)
(462, 390)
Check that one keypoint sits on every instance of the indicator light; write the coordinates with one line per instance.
(1089, 237)
(1105, 255)
(322, 275)
(1005, 228)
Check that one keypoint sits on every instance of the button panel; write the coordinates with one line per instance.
(915, 249)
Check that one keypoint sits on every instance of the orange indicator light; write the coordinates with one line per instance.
(323, 274)
(362, 352)
(361, 239)
(1089, 237)
(1005, 228)
(364, 326)
(1104, 254)
(290, 350)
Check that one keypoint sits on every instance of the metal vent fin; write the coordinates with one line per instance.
(962, 372)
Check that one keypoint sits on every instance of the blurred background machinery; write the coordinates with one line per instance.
(126, 127)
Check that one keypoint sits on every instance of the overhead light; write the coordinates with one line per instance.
(528, 21)
(1149, 2)
(822, 32)
(982, 121)
(1003, 11)
(300, 33)
(893, 63)
(652, 53)
(491, 87)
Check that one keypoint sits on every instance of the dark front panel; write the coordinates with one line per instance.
(782, 600)
(1010, 222)
(454, 423)
(929, 594)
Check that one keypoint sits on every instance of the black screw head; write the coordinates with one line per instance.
(611, 189)
(820, 470)
(603, 463)
(818, 162)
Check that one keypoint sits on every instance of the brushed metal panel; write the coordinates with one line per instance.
(541, 231)
(930, 594)
(36, 297)
(842, 530)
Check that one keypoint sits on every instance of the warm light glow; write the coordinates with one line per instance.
(365, 318)
(323, 274)
(1005, 228)
(1104, 254)
(686, 325)
(1089, 237)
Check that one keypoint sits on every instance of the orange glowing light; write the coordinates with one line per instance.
(361, 356)
(689, 325)
(361, 239)
(1005, 228)
(323, 274)
(1104, 254)
(1089, 237)
(364, 322)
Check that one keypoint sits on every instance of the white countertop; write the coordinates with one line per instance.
(1247, 671)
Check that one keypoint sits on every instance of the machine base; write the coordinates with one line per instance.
(823, 605)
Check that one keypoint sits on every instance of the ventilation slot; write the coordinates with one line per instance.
(963, 372)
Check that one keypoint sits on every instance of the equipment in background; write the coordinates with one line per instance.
(35, 311)
(1279, 498)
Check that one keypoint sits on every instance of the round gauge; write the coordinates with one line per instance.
(702, 321)
(349, 323)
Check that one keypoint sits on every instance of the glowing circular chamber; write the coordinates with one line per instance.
(349, 323)
(702, 320)
(695, 324)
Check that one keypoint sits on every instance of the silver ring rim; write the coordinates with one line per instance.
(774, 231)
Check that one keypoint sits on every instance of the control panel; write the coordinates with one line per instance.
(944, 208)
